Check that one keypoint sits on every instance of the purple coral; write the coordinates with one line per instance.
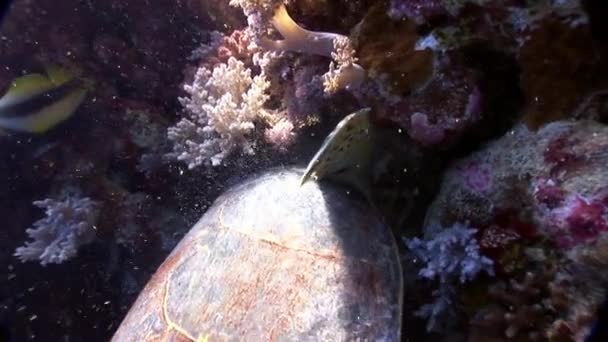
(452, 254)
(442, 110)
(69, 224)
(477, 177)
(424, 132)
(306, 99)
(418, 10)
(578, 220)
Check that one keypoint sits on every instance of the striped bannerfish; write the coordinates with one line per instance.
(35, 103)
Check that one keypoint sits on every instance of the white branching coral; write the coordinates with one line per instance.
(343, 53)
(258, 13)
(69, 224)
(221, 110)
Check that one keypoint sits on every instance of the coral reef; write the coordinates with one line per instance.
(433, 95)
(579, 289)
(220, 48)
(451, 256)
(518, 310)
(303, 97)
(538, 199)
(69, 224)
(425, 114)
(550, 298)
(281, 134)
(348, 74)
(442, 76)
(553, 180)
(392, 58)
(556, 78)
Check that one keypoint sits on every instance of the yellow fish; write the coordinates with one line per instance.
(35, 103)
(346, 153)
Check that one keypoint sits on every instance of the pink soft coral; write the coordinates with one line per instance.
(579, 220)
(280, 134)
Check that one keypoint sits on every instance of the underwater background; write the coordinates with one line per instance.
(122, 121)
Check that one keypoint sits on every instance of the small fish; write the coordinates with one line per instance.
(345, 155)
(35, 103)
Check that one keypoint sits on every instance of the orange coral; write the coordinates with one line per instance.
(394, 54)
(559, 67)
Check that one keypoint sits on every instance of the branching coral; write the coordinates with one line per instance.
(579, 289)
(304, 98)
(207, 49)
(519, 310)
(453, 254)
(348, 74)
(222, 107)
(219, 48)
(221, 120)
(69, 224)
(281, 134)
(258, 13)
(555, 300)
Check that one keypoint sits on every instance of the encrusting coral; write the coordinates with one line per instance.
(553, 180)
(392, 57)
(69, 224)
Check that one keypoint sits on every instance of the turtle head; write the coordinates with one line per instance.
(346, 154)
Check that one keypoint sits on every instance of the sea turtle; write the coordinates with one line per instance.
(281, 257)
